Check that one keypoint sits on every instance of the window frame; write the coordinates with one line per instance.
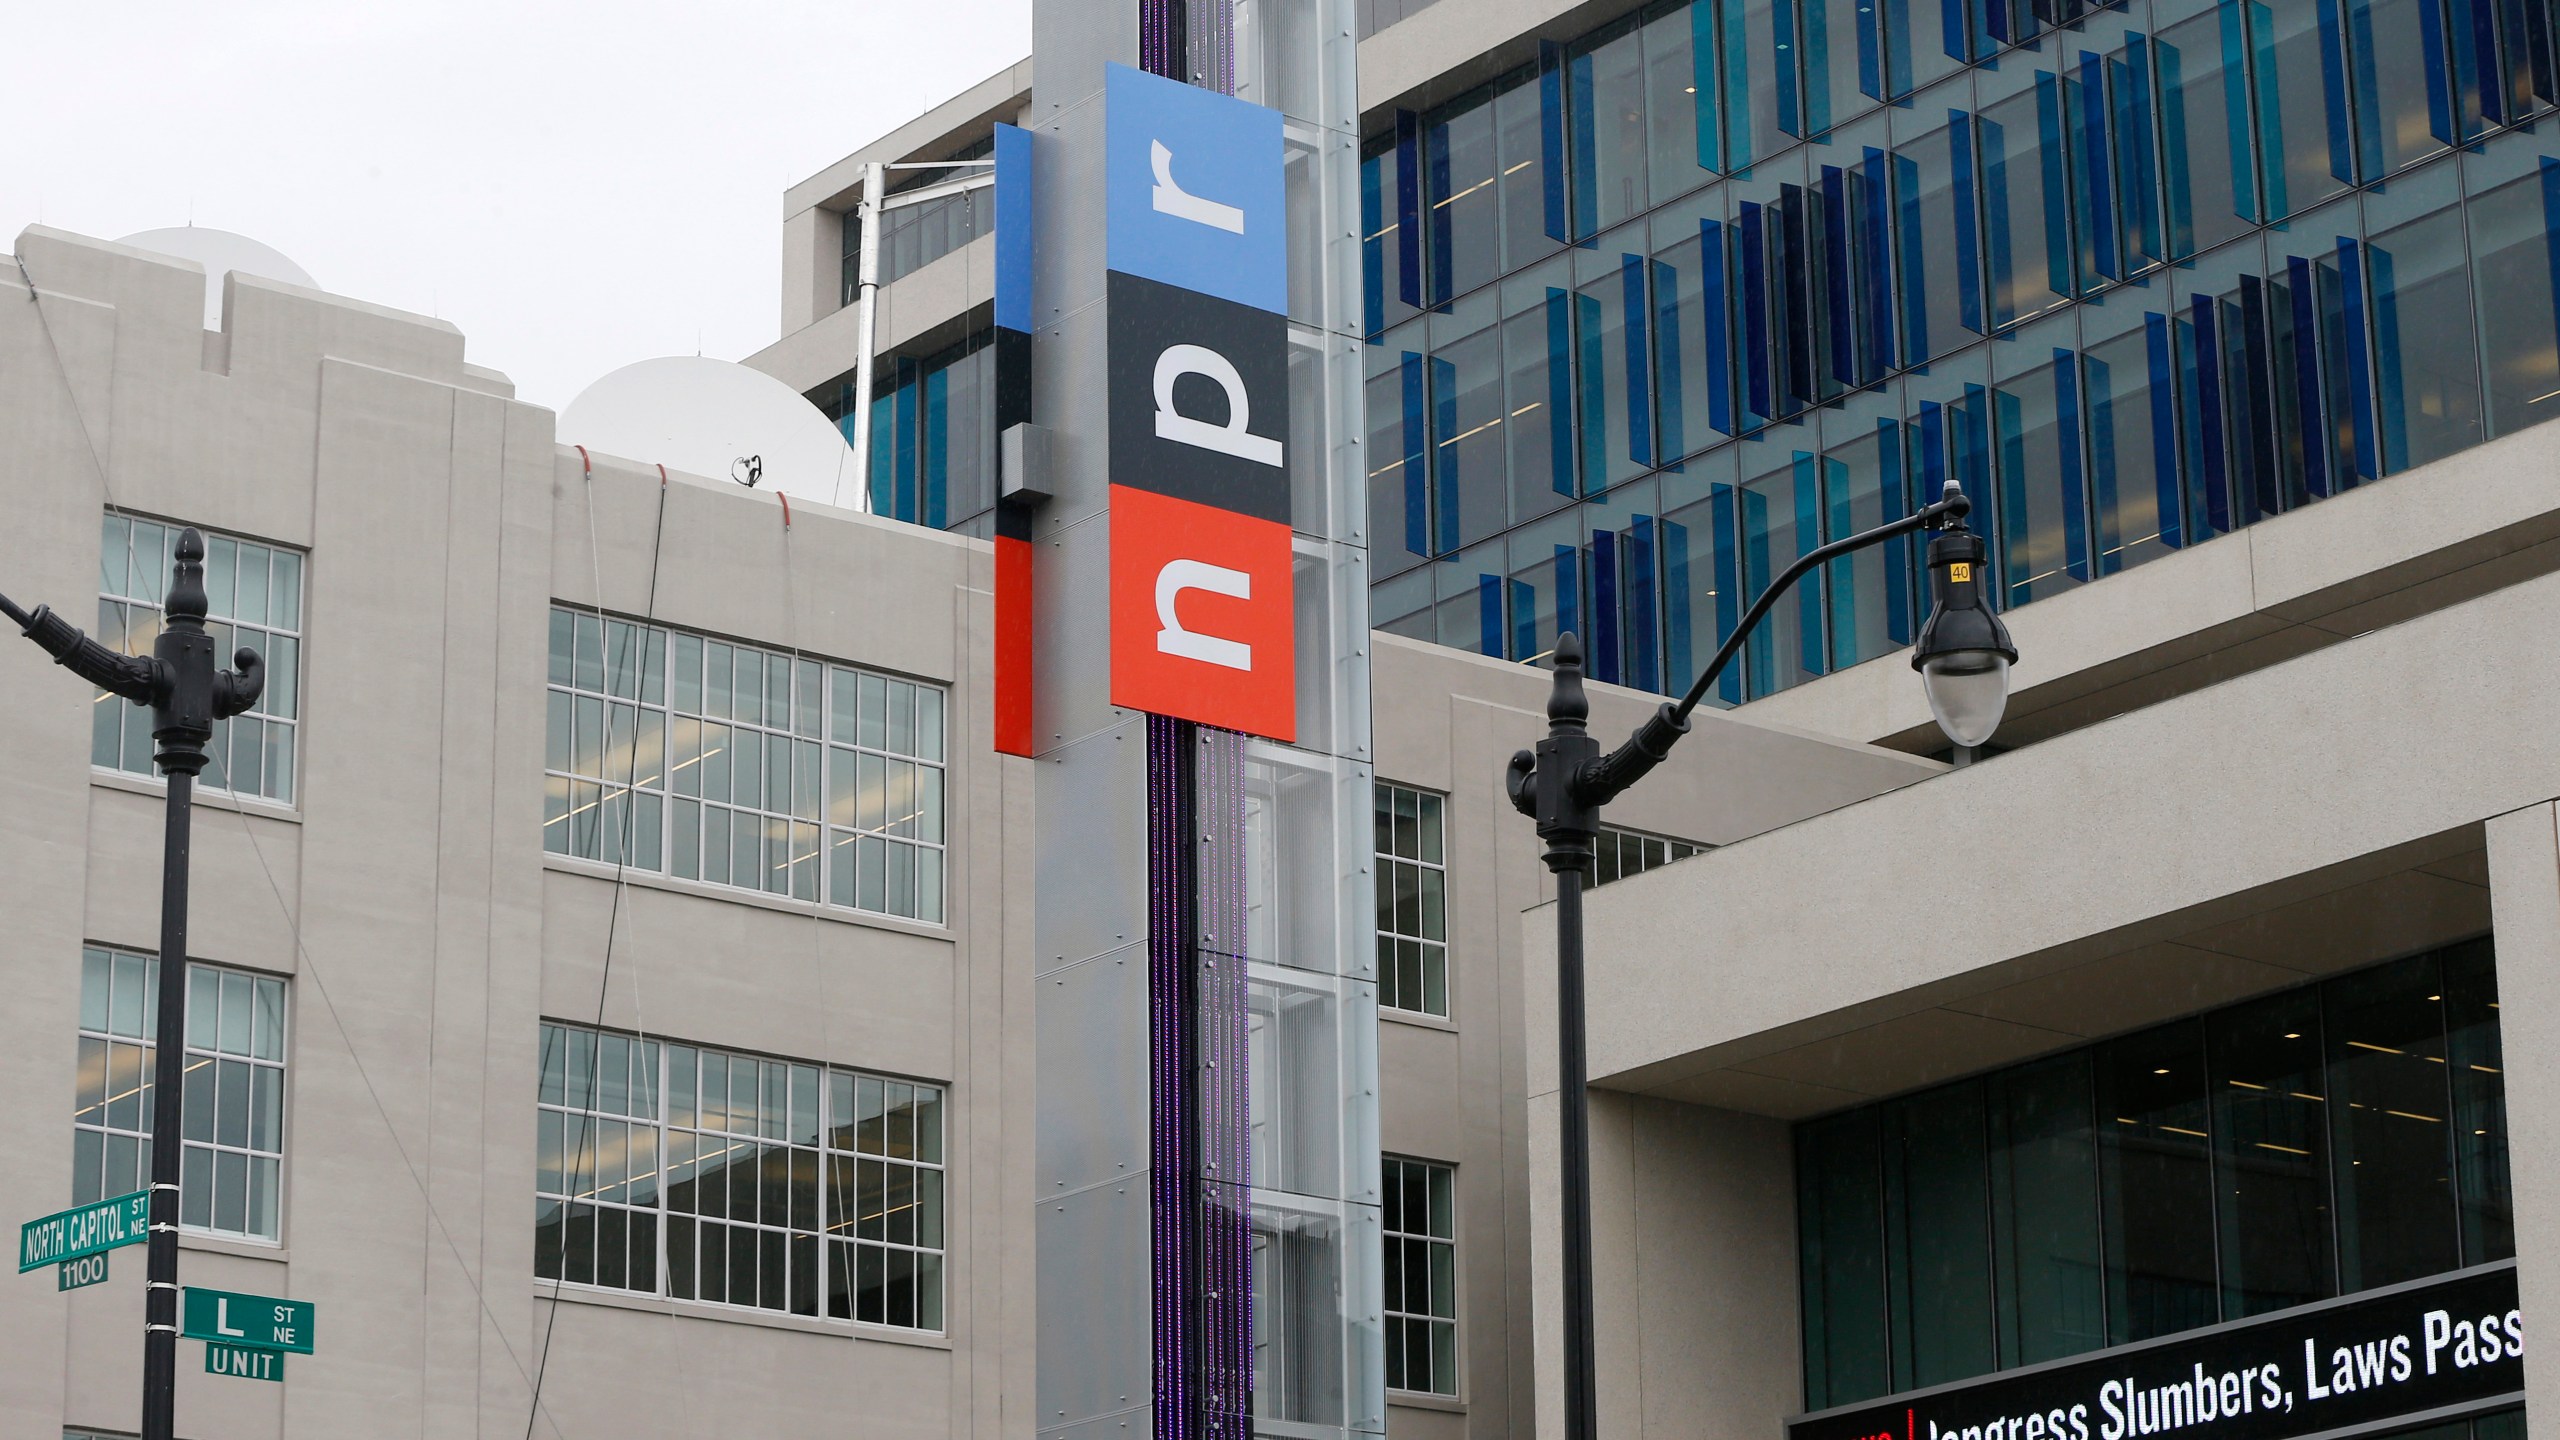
(286, 663)
(822, 712)
(1429, 948)
(835, 1168)
(201, 1050)
(1438, 1325)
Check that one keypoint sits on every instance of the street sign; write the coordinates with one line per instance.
(258, 1322)
(244, 1362)
(84, 1230)
(87, 1270)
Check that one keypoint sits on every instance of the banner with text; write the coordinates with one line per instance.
(2434, 1348)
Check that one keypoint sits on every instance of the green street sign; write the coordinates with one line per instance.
(256, 1322)
(87, 1270)
(84, 1230)
(243, 1362)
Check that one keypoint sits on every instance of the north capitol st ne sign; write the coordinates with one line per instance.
(2429, 1350)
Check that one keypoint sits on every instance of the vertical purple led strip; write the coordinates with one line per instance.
(1225, 1081)
(1193, 41)
(1173, 1159)
(1200, 1146)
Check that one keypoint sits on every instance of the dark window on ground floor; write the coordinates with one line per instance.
(2314, 1142)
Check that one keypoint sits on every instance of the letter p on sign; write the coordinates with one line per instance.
(1200, 614)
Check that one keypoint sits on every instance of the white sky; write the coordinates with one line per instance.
(578, 186)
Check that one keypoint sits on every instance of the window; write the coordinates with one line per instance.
(1625, 852)
(1413, 911)
(697, 758)
(2262, 1156)
(700, 1174)
(1422, 1275)
(254, 598)
(230, 1172)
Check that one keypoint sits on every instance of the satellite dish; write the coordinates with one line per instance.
(220, 252)
(719, 420)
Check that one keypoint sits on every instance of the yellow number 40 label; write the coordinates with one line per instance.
(1960, 571)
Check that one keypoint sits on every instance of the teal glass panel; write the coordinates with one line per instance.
(2427, 375)
(1692, 325)
(2207, 162)
(2041, 460)
(2270, 1154)
(1399, 470)
(1701, 570)
(2389, 1123)
(1840, 1239)
(2128, 386)
(1467, 419)
(1781, 503)
(2044, 1211)
(1605, 81)
(1614, 355)
(1673, 69)
(1871, 595)
(1937, 1236)
(1937, 240)
(2032, 261)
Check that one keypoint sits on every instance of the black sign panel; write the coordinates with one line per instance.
(1183, 365)
(2438, 1347)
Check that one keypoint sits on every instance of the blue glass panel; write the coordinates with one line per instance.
(1755, 124)
(1675, 161)
(2424, 337)
(1605, 85)
(2222, 384)
(1399, 505)
(2128, 389)
(1470, 498)
(2396, 71)
(2207, 165)
(1870, 592)
(2043, 532)
(934, 481)
(2303, 131)
(1614, 345)
(1781, 519)
(1843, 74)
(2026, 195)
(2318, 352)
(1463, 218)
(2135, 138)
(1701, 577)
(1939, 244)
(1537, 414)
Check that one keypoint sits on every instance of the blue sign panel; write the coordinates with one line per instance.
(1013, 227)
(1195, 188)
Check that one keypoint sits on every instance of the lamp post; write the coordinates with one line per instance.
(1963, 656)
(187, 694)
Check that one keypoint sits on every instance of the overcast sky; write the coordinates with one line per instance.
(576, 185)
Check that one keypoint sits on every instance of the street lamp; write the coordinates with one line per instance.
(186, 693)
(1963, 656)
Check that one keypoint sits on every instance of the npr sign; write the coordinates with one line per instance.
(1201, 613)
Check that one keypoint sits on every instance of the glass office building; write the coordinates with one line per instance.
(2315, 1142)
(1679, 300)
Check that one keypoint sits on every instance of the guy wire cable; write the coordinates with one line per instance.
(621, 864)
(106, 485)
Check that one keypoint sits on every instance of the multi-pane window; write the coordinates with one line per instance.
(253, 597)
(1413, 909)
(230, 1172)
(701, 1174)
(742, 766)
(1422, 1275)
(1622, 853)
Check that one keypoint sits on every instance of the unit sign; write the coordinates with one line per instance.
(2439, 1348)
(1201, 591)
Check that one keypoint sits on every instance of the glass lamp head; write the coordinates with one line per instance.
(1964, 652)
